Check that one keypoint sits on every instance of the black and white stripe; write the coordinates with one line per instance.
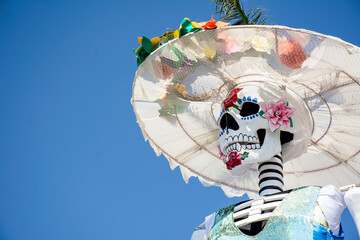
(271, 176)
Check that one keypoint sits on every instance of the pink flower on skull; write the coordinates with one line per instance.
(278, 113)
(234, 159)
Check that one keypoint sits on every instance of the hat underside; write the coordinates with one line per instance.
(179, 88)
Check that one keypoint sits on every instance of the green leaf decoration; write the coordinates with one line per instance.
(157, 45)
(244, 155)
(196, 29)
(170, 110)
(235, 106)
(287, 103)
(141, 55)
(186, 27)
(261, 113)
(147, 45)
(166, 111)
(291, 122)
(167, 36)
(180, 56)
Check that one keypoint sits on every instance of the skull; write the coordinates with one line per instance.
(245, 134)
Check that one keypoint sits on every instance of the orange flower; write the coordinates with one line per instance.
(291, 54)
(210, 24)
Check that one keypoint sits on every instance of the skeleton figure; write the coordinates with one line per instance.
(256, 127)
(286, 89)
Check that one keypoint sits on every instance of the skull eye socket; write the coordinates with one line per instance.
(249, 108)
(227, 121)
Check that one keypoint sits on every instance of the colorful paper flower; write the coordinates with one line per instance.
(186, 27)
(261, 44)
(170, 88)
(210, 24)
(291, 54)
(234, 159)
(278, 113)
(208, 51)
(168, 96)
(162, 70)
(231, 46)
(231, 99)
(181, 89)
(147, 47)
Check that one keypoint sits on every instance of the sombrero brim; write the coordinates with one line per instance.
(178, 90)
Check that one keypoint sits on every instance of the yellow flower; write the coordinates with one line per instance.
(195, 25)
(181, 89)
(168, 88)
(137, 50)
(209, 52)
(260, 44)
(177, 32)
(154, 41)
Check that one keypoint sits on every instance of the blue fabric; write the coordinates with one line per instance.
(291, 220)
(321, 233)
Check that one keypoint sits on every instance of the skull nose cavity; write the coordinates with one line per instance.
(228, 122)
(261, 135)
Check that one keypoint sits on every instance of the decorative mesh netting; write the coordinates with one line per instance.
(179, 88)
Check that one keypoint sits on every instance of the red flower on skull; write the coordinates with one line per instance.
(234, 159)
(231, 99)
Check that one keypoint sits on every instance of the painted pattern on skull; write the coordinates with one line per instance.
(248, 127)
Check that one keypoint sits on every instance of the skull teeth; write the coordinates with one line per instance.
(241, 141)
(242, 138)
(238, 147)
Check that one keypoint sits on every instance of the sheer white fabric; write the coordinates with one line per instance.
(352, 199)
(331, 202)
(201, 234)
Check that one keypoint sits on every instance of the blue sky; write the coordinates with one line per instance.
(73, 162)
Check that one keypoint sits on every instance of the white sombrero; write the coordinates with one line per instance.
(179, 88)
